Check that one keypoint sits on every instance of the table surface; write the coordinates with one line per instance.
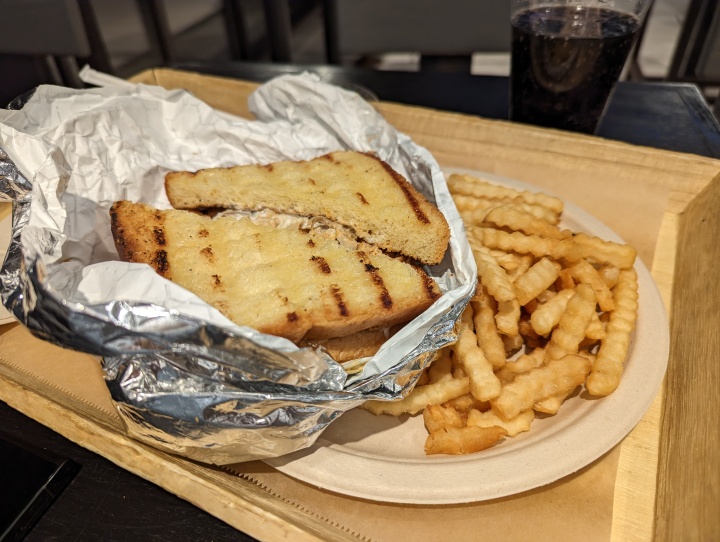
(105, 502)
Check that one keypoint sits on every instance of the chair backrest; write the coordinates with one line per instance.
(43, 27)
(428, 27)
(697, 55)
(40, 44)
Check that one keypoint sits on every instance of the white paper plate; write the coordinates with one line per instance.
(381, 457)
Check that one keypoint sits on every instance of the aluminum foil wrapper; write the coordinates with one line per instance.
(184, 378)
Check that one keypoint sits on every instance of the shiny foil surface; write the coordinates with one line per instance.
(183, 378)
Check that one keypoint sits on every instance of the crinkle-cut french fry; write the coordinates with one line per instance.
(546, 316)
(515, 426)
(596, 329)
(609, 273)
(476, 216)
(487, 334)
(484, 385)
(555, 376)
(474, 210)
(512, 262)
(508, 216)
(507, 317)
(537, 279)
(584, 272)
(565, 281)
(523, 364)
(437, 417)
(466, 402)
(608, 366)
(550, 405)
(463, 440)
(532, 339)
(547, 295)
(420, 397)
(469, 204)
(570, 330)
(479, 188)
(441, 367)
(492, 276)
(525, 262)
(573, 249)
(512, 343)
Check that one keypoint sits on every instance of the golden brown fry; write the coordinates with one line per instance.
(508, 216)
(463, 440)
(513, 427)
(524, 262)
(508, 317)
(537, 279)
(437, 417)
(420, 397)
(596, 329)
(573, 249)
(608, 366)
(609, 273)
(487, 334)
(573, 323)
(584, 272)
(523, 364)
(512, 343)
(556, 376)
(466, 402)
(484, 385)
(492, 276)
(550, 405)
(546, 316)
(474, 210)
(478, 188)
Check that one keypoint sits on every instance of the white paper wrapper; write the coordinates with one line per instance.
(163, 347)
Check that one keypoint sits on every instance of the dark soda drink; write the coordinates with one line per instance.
(565, 62)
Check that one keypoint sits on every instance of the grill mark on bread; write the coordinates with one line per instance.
(160, 262)
(208, 253)
(429, 284)
(362, 198)
(159, 235)
(403, 185)
(385, 297)
(337, 293)
(270, 167)
(292, 317)
(203, 232)
(217, 280)
(321, 264)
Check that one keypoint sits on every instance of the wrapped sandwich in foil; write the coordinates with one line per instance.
(184, 378)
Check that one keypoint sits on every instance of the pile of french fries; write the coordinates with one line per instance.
(553, 311)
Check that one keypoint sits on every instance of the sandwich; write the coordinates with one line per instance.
(354, 189)
(326, 252)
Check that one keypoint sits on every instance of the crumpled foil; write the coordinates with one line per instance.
(183, 377)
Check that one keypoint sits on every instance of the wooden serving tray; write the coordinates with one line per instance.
(660, 482)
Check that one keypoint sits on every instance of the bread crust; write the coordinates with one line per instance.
(286, 282)
(355, 189)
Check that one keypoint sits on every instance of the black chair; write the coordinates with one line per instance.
(49, 34)
(444, 32)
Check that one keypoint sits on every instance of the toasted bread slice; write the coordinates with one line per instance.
(286, 282)
(355, 189)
